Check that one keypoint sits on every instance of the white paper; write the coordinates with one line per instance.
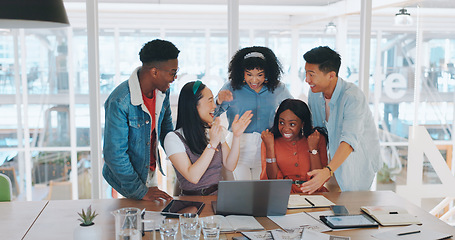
(240, 223)
(294, 234)
(152, 220)
(262, 235)
(309, 234)
(299, 220)
(232, 223)
(318, 214)
(424, 234)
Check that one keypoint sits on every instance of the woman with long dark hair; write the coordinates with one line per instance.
(197, 148)
(293, 147)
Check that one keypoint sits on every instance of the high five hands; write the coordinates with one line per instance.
(239, 125)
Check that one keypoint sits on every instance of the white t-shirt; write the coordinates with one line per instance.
(173, 144)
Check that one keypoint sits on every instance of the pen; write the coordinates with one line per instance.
(143, 213)
(312, 204)
(407, 233)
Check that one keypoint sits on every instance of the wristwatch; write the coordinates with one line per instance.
(314, 151)
(209, 146)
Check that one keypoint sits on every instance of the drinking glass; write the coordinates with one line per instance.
(211, 228)
(190, 231)
(189, 226)
(151, 222)
(169, 228)
(128, 223)
(189, 218)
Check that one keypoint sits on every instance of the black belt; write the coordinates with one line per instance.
(201, 192)
(298, 182)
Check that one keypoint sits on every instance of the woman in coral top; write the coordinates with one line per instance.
(292, 148)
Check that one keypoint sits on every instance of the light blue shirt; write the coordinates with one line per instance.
(350, 121)
(263, 104)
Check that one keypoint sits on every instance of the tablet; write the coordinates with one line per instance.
(349, 221)
(177, 207)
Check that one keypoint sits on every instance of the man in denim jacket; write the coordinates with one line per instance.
(138, 115)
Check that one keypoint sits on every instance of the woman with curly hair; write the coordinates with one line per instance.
(254, 84)
(292, 148)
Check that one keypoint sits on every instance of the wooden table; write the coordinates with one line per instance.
(17, 217)
(59, 218)
(354, 200)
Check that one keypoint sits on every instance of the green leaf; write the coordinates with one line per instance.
(88, 216)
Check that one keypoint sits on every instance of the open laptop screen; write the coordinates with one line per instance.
(255, 197)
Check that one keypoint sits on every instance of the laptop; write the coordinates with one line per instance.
(257, 198)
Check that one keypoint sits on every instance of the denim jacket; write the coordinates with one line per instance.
(350, 121)
(127, 137)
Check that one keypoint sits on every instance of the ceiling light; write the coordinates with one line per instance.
(331, 28)
(403, 18)
(32, 14)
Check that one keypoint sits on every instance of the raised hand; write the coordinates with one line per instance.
(313, 140)
(239, 125)
(216, 132)
(224, 95)
(268, 139)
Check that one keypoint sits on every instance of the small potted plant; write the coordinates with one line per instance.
(87, 230)
(87, 217)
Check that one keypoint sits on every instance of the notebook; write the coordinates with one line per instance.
(236, 223)
(309, 201)
(412, 232)
(257, 198)
(390, 215)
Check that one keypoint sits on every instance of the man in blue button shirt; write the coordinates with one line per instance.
(341, 107)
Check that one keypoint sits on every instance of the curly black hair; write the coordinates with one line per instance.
(326, 59)
(158, 51)
(302, 111)
(271, 66)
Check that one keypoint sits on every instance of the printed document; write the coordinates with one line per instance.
(299, 220)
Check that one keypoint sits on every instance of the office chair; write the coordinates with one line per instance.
(11, 173)
(60, 190)
(6, 189)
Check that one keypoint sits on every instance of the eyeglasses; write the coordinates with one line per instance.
(172, 72)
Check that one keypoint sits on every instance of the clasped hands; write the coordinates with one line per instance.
(318, 176)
